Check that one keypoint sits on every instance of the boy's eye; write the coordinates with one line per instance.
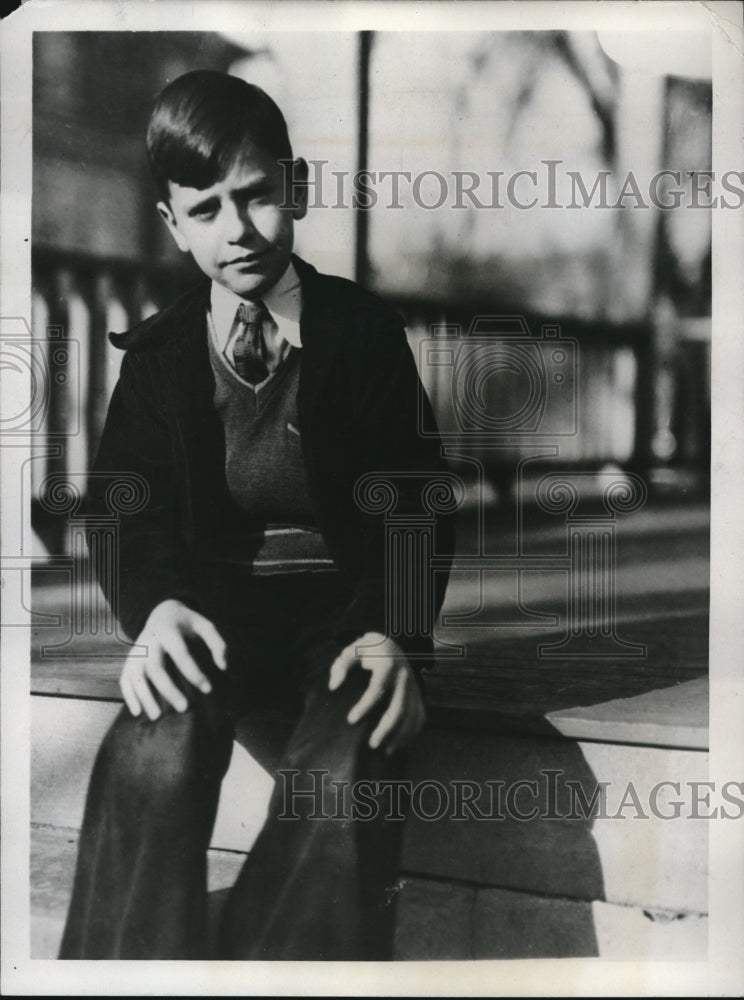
(205, 212)
(256, 196)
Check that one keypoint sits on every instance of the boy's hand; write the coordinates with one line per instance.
(170, 624)
(391, 674)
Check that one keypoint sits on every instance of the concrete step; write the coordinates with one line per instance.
(480, 922)
(53, 854)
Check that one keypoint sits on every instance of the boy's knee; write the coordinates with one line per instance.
(162, 760)
(326, 741)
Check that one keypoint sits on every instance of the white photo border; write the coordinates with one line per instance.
(723, 971)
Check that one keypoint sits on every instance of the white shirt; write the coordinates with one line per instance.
(284, 303)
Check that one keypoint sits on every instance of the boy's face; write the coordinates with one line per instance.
(237, 229)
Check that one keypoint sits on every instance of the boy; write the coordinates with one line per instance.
(251, 407)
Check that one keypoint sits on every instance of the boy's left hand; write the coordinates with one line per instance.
(390, 674)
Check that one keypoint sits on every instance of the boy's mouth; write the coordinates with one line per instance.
(247, 260)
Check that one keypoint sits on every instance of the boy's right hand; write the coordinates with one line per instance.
(166, 632)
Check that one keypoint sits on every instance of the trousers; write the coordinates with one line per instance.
(319, 882)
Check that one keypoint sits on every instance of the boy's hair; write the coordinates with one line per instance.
(199, 123)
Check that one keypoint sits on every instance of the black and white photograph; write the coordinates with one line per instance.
(371, 461)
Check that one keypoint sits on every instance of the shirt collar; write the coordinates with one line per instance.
(283, 300)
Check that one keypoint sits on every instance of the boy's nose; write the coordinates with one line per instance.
(238, 225)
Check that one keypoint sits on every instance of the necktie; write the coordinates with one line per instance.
(249, 348)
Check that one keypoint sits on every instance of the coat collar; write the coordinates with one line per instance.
(179, 327)
(177, 337)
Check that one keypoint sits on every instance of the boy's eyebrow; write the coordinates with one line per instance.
(258, 186)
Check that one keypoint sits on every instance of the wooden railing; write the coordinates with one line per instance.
(621, 397)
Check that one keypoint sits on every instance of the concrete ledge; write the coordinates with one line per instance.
(674, 715)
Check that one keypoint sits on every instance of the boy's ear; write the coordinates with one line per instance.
(298, 193)
(166, 214)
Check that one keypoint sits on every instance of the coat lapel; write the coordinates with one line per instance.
(197, 430)
(320, 331)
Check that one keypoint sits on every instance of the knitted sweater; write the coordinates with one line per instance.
(265, 470)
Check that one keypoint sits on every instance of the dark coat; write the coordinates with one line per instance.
(358, 403)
